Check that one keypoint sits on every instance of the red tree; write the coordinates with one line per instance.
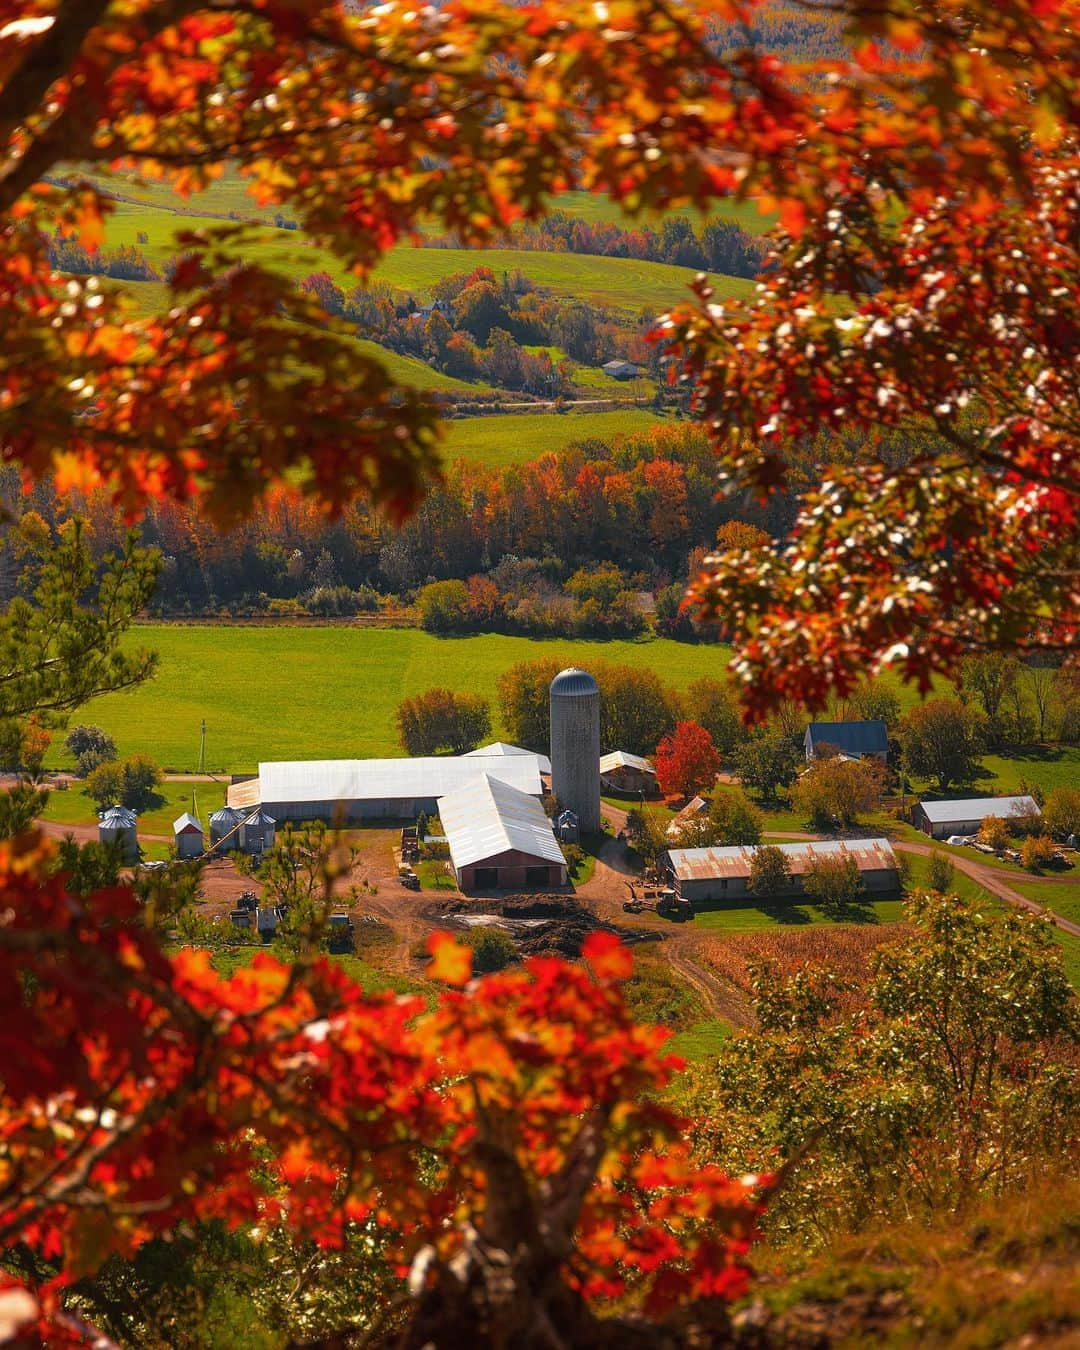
(687, 762)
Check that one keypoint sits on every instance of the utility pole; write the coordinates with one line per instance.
(202, 747)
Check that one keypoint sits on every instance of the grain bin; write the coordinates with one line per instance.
(116, 826)
(575, 746)
(257, 833)
(224, 829)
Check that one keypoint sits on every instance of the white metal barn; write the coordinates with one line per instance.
(500, 838)
(347, 791)
(503, 748)
(941, 819)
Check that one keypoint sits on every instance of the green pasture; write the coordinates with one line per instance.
(745, 916)
(73, 807)
(620, 283)
(231, 193)
(147, 298)
(701, 1040)
(1062, 897)
(519, 438)
(307, 693)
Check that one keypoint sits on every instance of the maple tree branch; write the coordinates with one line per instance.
(47, 60)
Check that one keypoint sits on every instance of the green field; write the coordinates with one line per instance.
(747, 918)
(230, 193)
(518, 438)
(74, 807)
(621, 283)
(308, 693)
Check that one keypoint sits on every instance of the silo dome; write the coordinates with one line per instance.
(575, 746)
(573, 681)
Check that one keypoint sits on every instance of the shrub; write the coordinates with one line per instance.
(132, 783)
(444, 607)
(1037, 852)
(941, 874)
(994, 833)
(441, 719)
(492, 948)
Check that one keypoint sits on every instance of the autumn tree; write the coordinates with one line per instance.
(734, 818)
(712, 704)
(686, 761)
(834, 883)
(770, 872)
(441, 719)
(951, 1077)
(991, 680)
(443, 606)
(767, 761)
(942, 740)
(1061, 814)
(835, 791)
(994, 833)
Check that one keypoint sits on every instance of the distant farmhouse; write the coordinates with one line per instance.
(622, 370)
(853, 740)
(351, 790)
(499, 838)
(701, 875)
(942, 819)
(626, 773)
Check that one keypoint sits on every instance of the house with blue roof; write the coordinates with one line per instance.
(852, 740)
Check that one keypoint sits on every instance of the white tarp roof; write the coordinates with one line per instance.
(328, 780)
(978, 808)
(703, 864)
(623, 759)
(503, 748)
(489, 817)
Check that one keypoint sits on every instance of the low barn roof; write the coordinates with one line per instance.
(705, 864)
(859, 738)
(488, 817)
(622, 759)
(186, 822)
(503, 748)
(327, 780)
(978, 808)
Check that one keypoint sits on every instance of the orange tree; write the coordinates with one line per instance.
(927, 179)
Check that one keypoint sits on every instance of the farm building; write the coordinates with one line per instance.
(696, 806)
(117, 826)
(630, 774)
(224, 830)
(941, 819)
(502, 748)
(703, 874)
(500, 838)
(188, 836)
(622, 370)
(854, 740)
(346, 791)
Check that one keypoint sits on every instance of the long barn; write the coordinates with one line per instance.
(723, 873)
(348, 791)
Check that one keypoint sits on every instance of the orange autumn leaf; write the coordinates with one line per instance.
(451, 961)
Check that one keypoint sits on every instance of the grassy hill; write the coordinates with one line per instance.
(518, 438)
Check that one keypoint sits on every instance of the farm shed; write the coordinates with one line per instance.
(696, 806)
(502, 748)
(622, 370)
(500, 838)
(630, 774)
(350, 790)
(854, 740)
(188, 836)
(223, 829)
(940, 819)
(117, 826)
(703, 874)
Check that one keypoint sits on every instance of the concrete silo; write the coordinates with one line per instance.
(575, 746)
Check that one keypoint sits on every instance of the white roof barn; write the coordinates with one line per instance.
(965, 815)
(489, 817)
(503, 748)
(622, 759)
(355, 789)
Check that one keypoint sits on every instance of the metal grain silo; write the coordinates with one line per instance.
(575, 746)
(117, 826)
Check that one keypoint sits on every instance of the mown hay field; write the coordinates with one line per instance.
(518, 438)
